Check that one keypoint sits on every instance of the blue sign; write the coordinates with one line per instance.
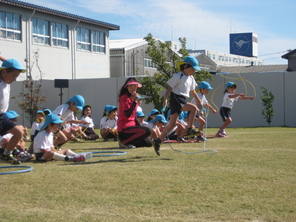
(241, 44)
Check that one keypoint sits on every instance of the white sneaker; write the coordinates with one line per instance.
(122, 146)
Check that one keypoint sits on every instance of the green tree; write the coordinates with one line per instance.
(267, 100)
(31, 96)
(166, 61)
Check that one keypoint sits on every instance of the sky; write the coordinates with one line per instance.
(206, 24)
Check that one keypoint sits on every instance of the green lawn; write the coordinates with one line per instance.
(251, 178)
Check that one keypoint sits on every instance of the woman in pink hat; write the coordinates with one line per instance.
(130, 133)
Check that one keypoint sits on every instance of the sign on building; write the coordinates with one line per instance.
(244, 44)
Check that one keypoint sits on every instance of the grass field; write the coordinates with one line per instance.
(252, 177)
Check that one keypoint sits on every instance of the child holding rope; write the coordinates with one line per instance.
(67, 113)
(202, 90)
(225, 110)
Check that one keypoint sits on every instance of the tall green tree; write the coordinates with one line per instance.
(267, 99)
(166, 61)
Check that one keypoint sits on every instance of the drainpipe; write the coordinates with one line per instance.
(73, 51)
(28, 43)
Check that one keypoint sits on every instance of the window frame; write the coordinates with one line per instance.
(14, 30)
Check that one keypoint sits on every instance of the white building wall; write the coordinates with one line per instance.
(56, 63)
(245, 113)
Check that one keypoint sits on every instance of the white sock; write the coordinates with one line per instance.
(58, 156)
(70, 153)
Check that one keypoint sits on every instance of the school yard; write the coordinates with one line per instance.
(252, 177)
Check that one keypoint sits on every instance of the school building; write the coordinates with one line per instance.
(66, 46)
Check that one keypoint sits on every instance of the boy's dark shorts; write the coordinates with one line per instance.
(5, 124)
(225, 113)
(176, 103)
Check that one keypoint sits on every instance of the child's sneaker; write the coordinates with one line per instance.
(122, 146)
(10, 159)
(219, 134)
(200, 138)
(156, 145)
(192, 133)
(79, 158)
(105, 140)
(223, 132)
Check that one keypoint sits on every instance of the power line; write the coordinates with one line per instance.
(274, 53)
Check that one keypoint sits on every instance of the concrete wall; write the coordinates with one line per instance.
(245, 113)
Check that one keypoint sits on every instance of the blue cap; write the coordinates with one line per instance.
(47, 111)
(140, 114)
(230, 84)
(78, 100)
(153, 112)
(204, 85)
(109, 108)
(12, 63)
(11, 114)
(160, 118)
(51, 118)
(192, 61)
(40, 111)
(140, 97)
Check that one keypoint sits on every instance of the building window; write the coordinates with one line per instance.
(59, 35)
(40, 31)
(83, 39)
(98, 42)
(10, 26)
(149, 64)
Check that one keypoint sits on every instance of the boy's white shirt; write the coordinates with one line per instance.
(35, 126)
(106, 123)
(89, 120)
(4, 96)
(43, 140)
(228, 102)
(182, 84)
(202, 98)
(65, 112)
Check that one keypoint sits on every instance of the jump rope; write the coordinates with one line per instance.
(207, 113)
(204, 142)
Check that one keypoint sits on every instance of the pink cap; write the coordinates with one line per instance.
(134, 83)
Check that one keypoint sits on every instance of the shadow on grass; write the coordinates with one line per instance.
(126, 160)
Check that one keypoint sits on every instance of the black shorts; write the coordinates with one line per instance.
(39, 156)
(225, 113)
(5, 124)
(176, 103)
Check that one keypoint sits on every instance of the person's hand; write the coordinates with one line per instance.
(134, 96)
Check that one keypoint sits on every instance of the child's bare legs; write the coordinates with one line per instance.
(193, 110)
(226, 123)
(17, 132)
(180, 131)
(201, 122)
(60, 139)
(221, 132)
(61, 155)
(169, 127)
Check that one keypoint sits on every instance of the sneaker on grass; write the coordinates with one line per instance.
(10, 159)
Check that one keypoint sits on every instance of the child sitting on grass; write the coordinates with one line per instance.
(43, 143)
